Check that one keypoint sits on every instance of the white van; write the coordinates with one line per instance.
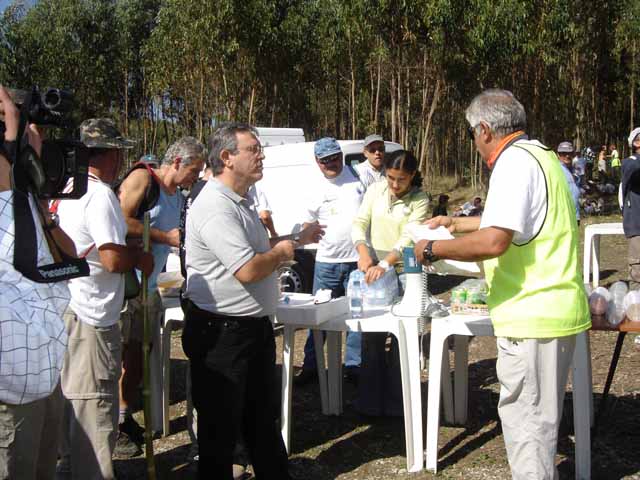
(289, 173)
(270, 137)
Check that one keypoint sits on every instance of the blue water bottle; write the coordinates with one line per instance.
(356, 300)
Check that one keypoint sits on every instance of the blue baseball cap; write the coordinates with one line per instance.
(326, 147)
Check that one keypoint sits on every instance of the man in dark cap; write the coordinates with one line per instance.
(372, 170)
(91, 366)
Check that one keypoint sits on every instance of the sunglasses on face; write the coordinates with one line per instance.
(379, 148)
(329, 159)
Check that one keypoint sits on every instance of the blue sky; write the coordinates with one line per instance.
(5, 3)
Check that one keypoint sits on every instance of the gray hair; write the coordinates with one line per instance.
(188, 149)
(499, 109)
(224, 138)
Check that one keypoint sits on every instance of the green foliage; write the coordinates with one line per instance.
(403, 68)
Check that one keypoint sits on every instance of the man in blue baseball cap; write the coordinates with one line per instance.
(334, 202)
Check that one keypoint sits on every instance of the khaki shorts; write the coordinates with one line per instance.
(132, 320)
(91, 366)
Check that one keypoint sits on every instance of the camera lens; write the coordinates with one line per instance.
(52, 98)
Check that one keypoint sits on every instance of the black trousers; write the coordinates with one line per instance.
(234, 383)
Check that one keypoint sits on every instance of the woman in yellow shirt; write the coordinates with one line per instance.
(388, 206)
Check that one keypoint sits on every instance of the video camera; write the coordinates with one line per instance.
(60, 171)
(60, 160)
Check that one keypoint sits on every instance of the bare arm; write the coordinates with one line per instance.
(375, 272)
(267, 221)
(365, 262)
(11, 117)
(264, 264)
(119, 259)
(5, 174)
(131, 195)
(310, 233)
(455, 224)
(482, 244)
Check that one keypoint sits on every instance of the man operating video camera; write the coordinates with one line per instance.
(33, 339)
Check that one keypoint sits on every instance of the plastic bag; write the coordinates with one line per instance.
(380, 293)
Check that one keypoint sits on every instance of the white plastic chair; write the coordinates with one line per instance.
(173, 319)
(463, 326)
(592, 234)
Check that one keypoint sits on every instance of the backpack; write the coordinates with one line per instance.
(151, 194)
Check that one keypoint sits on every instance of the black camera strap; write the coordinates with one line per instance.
(25, 249)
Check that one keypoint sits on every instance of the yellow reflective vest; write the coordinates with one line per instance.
(535, 289)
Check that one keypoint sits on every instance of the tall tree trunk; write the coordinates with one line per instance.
(273, 105)
(393, 107)
(338, 105)
(632, 87)
(375, 116)
(253, 96)
(353, 87)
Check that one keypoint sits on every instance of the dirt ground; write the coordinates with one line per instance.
(353, 447)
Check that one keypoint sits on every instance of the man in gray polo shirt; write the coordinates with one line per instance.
(231, 290)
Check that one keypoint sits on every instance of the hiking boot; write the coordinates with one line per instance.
(126, 447)
(351, 375)
(134, 431)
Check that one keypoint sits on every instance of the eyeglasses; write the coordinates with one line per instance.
(472, 131)
(373, 149)
(256, 149)
(330, 158)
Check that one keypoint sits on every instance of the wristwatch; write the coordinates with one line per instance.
(384, 264)
(54, 222)
(296, 237)
(428, 254)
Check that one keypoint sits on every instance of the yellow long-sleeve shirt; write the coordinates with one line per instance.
(386, 216)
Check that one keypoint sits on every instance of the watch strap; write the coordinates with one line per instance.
(428, 252)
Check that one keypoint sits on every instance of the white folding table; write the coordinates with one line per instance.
(464, 326)
(404, 329)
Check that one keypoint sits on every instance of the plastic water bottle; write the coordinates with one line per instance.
(356, 300)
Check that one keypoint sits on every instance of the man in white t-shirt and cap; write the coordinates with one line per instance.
(372, 170)
(334, 203)
(91, 366)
